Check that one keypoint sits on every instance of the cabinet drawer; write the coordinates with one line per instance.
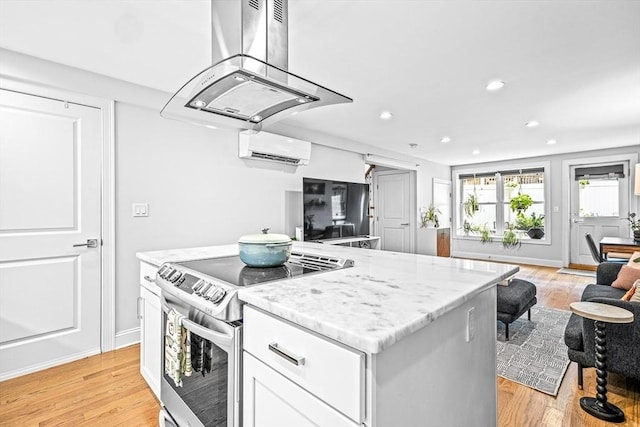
(149, 270)
(329, 370)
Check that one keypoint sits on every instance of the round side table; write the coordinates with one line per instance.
(602, 314)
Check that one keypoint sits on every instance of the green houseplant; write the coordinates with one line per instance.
(428, 215)
(485, 233)
(471, 205)
(533, 224)
(510, 238)
(635, 226)
(521, 203)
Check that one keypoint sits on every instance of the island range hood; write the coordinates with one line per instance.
(249, 86)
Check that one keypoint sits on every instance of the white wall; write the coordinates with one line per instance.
(539, 253)
(199, 192)
(426, 172)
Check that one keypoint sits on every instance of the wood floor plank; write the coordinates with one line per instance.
(107, 389)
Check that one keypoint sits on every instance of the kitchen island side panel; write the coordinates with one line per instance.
(434, 377)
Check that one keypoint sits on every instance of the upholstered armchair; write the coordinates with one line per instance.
(623, 340)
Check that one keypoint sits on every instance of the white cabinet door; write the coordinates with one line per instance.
(150, 339)
(271, 400)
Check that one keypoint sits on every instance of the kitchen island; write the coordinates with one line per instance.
(396, 340)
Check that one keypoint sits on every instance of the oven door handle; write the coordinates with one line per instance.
(213, 336)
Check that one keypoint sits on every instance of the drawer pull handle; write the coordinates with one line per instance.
(296, 360)
(149, 279)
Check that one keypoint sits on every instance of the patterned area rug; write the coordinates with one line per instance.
(535, 355)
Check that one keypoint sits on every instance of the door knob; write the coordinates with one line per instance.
(577, 221)
(91, 243)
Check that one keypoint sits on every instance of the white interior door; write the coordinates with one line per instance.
(599, 206)
(393, 210)
(50, 180)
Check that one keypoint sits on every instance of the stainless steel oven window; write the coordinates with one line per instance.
(209, 397)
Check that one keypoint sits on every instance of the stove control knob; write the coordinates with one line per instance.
(204, 289)
(166, 272)
(216, 294)
(221, 295)
(175, 277)
(197, 286)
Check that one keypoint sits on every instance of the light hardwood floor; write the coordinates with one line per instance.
(107, 389)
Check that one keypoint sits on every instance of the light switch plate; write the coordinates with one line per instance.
(140, 209)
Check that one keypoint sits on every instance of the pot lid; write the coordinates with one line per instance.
(265, 237)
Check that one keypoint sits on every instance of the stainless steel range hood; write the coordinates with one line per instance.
(249, 87)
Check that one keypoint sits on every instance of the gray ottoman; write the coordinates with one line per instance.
(514, 300)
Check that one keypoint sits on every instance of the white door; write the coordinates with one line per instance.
(599, 205)
(50, 180)
(393, 210)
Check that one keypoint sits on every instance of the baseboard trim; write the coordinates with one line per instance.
(127, 337)
(508, 259)
(49, 364)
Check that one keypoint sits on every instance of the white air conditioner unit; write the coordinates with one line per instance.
(274, 148)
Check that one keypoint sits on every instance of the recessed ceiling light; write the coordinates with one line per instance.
(532, 124)
(476, 152)
(256, 118)
(551, 142)
(198, 103)
(495, 85)
(445, 139)
(386, 115)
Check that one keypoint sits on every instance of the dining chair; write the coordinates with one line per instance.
(595, 253)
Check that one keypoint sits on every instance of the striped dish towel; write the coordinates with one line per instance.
(177, 348)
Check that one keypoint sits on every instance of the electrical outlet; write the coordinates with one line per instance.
(140, 209)
(471, 324)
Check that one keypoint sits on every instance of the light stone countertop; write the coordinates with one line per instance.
(384, 297)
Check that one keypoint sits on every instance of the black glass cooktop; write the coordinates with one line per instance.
(232, 270)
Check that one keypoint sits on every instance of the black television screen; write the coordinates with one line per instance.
(334, 209)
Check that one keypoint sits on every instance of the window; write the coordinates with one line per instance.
(492, 202)
(599, 190)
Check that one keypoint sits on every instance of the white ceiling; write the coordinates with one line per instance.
(574, 66)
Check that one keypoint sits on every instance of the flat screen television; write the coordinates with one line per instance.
(334, 209)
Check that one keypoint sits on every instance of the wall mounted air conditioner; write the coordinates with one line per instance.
(274, 148)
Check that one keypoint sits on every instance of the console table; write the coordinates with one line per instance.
(624, 245)
(602, 314)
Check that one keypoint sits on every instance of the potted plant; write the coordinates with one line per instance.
(428, 215)
(485, 234)
(510, 238)
(635, 226)
(520, 203)
(533, 225)
(466, 227)
(471, 205)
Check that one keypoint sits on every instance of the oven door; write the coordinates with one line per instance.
(211, 397)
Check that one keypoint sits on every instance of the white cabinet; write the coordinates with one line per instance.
(435, 376)
(293, 377)
(150, 315)
(434, 241)
(271, 400)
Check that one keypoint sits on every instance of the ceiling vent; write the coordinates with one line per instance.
(273, 148)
